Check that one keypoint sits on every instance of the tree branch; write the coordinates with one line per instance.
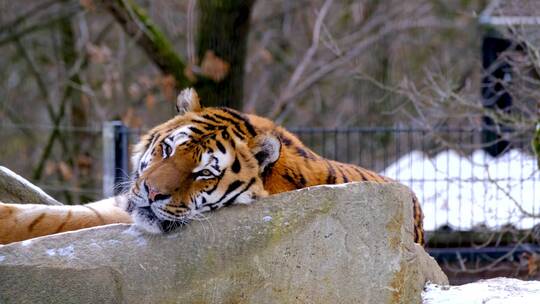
(42, 87)
(316, 74)
(39, 8)
(308, 56)
(14, 30)
(140, 27)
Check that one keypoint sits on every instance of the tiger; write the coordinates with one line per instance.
(203, 159)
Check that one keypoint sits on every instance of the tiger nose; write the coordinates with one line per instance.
(154, 194)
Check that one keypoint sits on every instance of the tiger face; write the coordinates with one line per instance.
(201, 160)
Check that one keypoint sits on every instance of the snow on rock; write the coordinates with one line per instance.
(467, 191)
(492, 291)
(64, 251)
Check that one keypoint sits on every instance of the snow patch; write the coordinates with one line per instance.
(468, 191)
(68, 251)
(267, 218)
(26, 242)
(492, 291)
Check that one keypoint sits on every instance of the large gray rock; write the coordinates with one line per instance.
(329, 244)
(14, 189)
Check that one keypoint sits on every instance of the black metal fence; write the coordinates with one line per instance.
(71, 173)
(460, 187)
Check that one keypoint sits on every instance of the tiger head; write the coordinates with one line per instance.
(201, 160)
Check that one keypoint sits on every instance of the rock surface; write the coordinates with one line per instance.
(14, 189)
(329, 244)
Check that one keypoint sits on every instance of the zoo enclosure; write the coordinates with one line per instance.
(449, 183)
(461, 187)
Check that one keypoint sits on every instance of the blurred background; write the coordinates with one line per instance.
(440, 95)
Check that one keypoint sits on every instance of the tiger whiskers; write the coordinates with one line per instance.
(196, 218)
(199, 217)
(123, 187)
(164, 215)
(179, 223)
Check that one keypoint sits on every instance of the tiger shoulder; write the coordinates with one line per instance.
(203, 159)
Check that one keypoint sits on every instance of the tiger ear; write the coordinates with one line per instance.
(187, 101)
(266, 149)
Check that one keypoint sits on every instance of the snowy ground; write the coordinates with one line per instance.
(464, 192)
(492, 291)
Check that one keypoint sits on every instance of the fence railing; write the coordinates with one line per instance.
(460, 186)
(115, 157)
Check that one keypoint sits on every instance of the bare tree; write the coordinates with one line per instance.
(301, 66)
(442, 100)
(336, 54)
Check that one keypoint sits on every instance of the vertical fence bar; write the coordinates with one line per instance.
(115, 157)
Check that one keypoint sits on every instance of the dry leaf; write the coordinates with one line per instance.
(533, 263)
(50, 168)
(98, 54)
(88, 4)
(84, 163)
(150, 101)
(134, 90)
(131, 119)
(65, 171)
(86, 103)
(167, 87)
(214, 67)
(188, 72)
(266, 56)
(107, 89)
(145, 82)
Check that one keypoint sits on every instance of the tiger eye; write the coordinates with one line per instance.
(206, 172)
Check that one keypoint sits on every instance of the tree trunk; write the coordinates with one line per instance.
(223, 29)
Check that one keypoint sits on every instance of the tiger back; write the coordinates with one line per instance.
(207, 158)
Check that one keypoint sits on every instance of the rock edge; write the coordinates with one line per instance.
(348, 243)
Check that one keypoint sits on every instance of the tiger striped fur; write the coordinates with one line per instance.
(200, 160)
